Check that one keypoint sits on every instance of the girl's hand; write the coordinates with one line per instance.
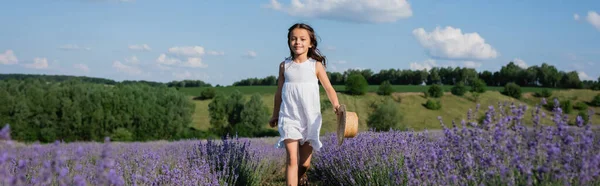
(336, 109)
(273, 121)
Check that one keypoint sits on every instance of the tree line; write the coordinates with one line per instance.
(73, 110)
(545, 75)
(63, 78)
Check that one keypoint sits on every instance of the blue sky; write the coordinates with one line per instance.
(225, 41)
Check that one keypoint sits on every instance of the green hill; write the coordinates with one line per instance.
(414, 114)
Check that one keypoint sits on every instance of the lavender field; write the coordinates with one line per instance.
(500, 150)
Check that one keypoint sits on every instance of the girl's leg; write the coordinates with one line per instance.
(291, 147)
(305, 155)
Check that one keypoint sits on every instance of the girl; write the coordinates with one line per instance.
(297, 106)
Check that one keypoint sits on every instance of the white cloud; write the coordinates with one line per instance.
(73, 47)
(189, 51)
(594, 19)
(38, 63)
(425, 65)
(250, 54)
(520, 63)
(131, 70)
(8, 58)
(141, 47)
(472, 64)
(132, 60)
(451, 43)
(576, 17)
(188, 75)
(216, 53)
(584, 76)
(165, 60)
(194, 62)
(81, 67)
(363, 11)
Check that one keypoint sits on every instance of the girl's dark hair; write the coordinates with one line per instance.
(313, 52)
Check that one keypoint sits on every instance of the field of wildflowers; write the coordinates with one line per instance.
(500, 150)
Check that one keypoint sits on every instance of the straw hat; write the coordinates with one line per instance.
(347, 124)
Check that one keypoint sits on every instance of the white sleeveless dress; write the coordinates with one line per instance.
(300, 112)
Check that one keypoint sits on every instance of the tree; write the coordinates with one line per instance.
(385, 117)
(513, 90)
(218, 115)
(434, 76)
(254, 116)
(487, 77)
(459, 89)
(385, 88)
(356, 84)
(435, 91)
(571, 80)
(478, 86)
(596, 100)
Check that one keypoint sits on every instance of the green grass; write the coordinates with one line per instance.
(195, 91)
(415, 115)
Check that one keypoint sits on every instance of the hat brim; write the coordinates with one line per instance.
(341, 129)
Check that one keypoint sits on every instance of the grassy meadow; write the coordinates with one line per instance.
(409, 99)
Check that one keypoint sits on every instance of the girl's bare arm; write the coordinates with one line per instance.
(277, 99)
(331, 94)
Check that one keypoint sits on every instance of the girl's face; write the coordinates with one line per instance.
(299, 41)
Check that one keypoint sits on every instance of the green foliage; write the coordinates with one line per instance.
(512, 90)
(545, 93)
(584, 115)
(207, 93)
(459, 89)
(565, 105)
(596, 101)
(233, 115)
(254, 116)
(478, 86)
(385, 88)
(385, 116)
(356, 84)
(435, 91)
(433, 104)
(74, 110)
(581, 106)
(121, 134)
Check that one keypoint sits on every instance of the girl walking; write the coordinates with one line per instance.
(297, 109)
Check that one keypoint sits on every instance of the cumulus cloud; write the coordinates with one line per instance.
(81, 67)
(576, 17)
(132, 60)
(8, 58)
(250, 54)
(471, 64)
(141, 47)
(73, 47)
(451, 43)
(195, 51)
(185, 56)
(38, 63)
(127, 69)
(520, 63)
(594, 19)
(425, 65)
(363, 11)
(584, 76)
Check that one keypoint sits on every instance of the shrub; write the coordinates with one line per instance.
(433, 105)
(207, 93)
(512, 90)
(566, 106)
(584, 118)
(478, 86)
(596, 100)
(121, 134)
(581, 106)
(385, 88)
(254, 116)
(356, 84)
(435, 91)
(545, 93)
(459, 89)
(385, 117)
